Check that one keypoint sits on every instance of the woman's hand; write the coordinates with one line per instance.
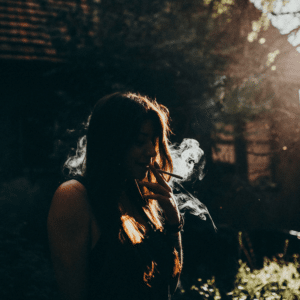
(163, 194)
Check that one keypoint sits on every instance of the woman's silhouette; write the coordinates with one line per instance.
(114, 228)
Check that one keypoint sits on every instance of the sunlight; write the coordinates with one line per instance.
(287, 22)
(286, 6)
(286, 18)
(262, 41)
(294, 38)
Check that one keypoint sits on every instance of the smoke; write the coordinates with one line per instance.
(76, 163)
(188, 161)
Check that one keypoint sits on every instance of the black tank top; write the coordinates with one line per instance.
(115, 269)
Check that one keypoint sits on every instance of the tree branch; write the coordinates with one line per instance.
(284, 13)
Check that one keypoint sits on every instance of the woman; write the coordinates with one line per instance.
(114, 231)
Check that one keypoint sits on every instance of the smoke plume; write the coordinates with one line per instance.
(76, 164)
(188, 161)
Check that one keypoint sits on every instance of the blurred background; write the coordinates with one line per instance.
(228, 70)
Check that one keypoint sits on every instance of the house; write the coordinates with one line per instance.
(271, 140)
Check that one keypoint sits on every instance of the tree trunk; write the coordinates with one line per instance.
(240, 147)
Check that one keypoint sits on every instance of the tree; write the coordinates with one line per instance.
(174, 51)
(283, 14)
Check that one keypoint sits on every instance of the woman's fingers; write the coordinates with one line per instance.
(159, 177)
(167, 203)
(155, 187)
(156, 165)
(160, 198)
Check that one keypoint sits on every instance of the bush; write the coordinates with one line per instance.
(207, 290)
(278, 279)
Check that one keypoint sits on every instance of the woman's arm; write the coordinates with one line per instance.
(69, 239)
(163, 194)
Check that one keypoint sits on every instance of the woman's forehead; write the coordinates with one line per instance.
(149, 128)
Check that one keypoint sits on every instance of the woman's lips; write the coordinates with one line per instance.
(145, 166)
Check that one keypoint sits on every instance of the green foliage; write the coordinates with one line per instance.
(169, 50)
(278, 279)
(188, 39)
(207, 290)
(220, 7)
(247, 101)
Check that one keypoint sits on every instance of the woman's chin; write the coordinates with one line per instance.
(140, 175)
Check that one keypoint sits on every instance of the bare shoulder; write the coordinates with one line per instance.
(71, 188)
(70, 216)
(68, 226)
(70, 203)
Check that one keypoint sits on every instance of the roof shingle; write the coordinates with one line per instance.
(24, 28)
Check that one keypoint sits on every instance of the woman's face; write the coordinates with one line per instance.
(139, 155)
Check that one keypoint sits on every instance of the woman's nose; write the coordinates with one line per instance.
(150, 150)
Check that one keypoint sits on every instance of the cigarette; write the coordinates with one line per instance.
(171, 174)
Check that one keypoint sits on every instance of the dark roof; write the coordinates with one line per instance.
(24, 28)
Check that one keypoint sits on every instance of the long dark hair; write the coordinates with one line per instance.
(112, 128)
